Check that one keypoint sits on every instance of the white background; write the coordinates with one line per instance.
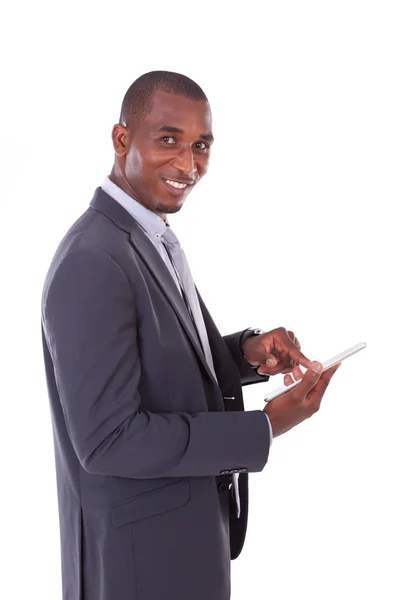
(294, 225)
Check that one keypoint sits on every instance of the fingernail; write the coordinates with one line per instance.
(270, 362)
(316, 367)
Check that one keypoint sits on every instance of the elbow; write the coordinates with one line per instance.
(91, 465)
(109, 457)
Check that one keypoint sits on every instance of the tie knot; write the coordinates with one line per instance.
(170, 237)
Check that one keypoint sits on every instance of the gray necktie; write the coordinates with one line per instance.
(189, 294)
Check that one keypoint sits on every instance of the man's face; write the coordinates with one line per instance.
(168, 152)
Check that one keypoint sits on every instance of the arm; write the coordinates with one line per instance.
(90, 326)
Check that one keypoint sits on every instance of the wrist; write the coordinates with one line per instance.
(247, 334)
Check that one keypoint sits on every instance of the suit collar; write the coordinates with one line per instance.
(111, 209)
(153, 224)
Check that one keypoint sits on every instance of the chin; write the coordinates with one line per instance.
(169, 209)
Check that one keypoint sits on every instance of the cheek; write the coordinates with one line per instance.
(142, 163)
(202, 166)
(134, 163)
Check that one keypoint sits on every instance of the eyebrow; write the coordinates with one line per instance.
(169, 129)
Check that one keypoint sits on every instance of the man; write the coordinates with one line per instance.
(153, 446)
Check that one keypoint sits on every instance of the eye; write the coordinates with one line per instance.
(202, 146)
(168, 137)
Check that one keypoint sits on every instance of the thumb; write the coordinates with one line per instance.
(270, 360)
(310, 378)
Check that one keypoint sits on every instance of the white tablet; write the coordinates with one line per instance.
(326, 365)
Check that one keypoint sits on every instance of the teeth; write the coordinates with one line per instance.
(175, 184)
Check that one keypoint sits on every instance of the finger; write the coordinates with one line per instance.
(316, 393)
(297, 373)
(290, 366)
(298, 357)
(329, 373)
(294, 370)
(263, 370)
(294, 339)
(309, 380)
(287, 380)
(271, 361)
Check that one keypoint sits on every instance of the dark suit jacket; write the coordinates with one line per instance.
(145, 441)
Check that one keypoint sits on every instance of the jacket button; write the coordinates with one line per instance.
(222, 487)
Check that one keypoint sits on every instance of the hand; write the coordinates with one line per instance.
(301, 402)
(277, 351)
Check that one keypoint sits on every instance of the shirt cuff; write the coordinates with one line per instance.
(270, 430)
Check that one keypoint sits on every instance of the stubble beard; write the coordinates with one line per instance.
(167, 209)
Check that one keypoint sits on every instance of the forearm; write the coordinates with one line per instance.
(150, 445)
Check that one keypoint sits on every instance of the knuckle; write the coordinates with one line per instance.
(298, 397)
(316, 407)
(313, 408)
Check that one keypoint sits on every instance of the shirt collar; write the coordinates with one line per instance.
(152, 224)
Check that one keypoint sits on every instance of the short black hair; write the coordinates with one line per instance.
(137, 102)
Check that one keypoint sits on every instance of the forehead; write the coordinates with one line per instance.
(170, 109)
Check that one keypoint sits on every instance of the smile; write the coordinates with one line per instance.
(175, 187)
(175, 184)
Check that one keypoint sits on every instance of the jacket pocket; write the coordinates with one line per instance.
(151, 503)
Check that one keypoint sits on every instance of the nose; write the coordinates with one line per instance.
(185, 162)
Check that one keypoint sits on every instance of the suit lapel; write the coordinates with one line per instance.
(143, 246)
(224, 364)
(156, 266)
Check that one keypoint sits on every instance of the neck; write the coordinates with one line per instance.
(118, 178)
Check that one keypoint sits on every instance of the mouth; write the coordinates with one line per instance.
(176, 187)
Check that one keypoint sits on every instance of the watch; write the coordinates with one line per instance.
(250, 332)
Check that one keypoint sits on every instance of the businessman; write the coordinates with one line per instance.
(152, 443)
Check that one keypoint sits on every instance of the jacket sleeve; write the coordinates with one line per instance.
(247, 374)
(90, 326)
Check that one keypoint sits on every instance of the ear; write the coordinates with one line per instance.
(121, 139)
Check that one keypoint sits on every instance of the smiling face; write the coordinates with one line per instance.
(161, 161)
